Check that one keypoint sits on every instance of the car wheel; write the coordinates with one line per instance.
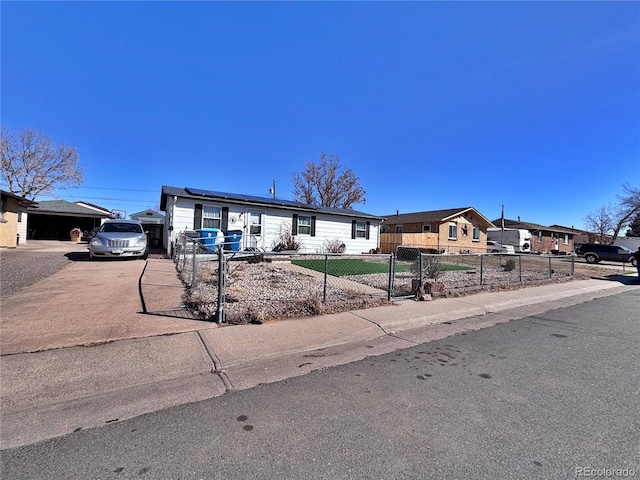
(633, 261)
(495, 251)
(591, 258)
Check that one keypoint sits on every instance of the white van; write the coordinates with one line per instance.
(520, 239)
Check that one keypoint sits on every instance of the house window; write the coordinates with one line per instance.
(211, 217)
(453, 231)
(3, 208)
(476, 234)
(398, 228)
(304, 225)
(566, 239)
(426, 228)
(255, 223)
(360, 229)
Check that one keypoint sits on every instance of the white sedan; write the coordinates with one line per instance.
(497, 247)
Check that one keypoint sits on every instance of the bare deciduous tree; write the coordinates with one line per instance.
(600, 223)
(631, 198)
(327, 184)
(626, 210)
(32, 164)
(612, 220)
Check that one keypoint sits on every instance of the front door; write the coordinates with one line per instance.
(254, 230)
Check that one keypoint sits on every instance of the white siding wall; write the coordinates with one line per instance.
(328, 227)
(22, 226)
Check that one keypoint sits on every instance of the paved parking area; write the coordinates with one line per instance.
(66, 299)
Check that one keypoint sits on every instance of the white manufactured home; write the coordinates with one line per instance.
(260, 221)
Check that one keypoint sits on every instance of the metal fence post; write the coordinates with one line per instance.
(573, 264)
(184, 252)
(324, 287)
(221, 286)
(520, 268)
(391, 276)
(420, 270)
(194, 267)
(550, 271)
(481, 267)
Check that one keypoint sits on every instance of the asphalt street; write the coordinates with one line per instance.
(546, 396)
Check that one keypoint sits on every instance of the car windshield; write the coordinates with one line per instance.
(121, 228)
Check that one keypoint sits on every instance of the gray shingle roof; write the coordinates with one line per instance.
(429, 216)
(508, 223)
(62, 207)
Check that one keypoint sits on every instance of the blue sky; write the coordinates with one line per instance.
(534, 105)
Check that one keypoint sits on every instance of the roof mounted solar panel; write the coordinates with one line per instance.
(247, 198)
(197, 191)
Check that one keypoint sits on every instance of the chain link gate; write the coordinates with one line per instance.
(405, 272)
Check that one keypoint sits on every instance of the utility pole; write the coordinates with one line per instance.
(272, 190)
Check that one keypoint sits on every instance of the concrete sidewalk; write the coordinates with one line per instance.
(62, 371)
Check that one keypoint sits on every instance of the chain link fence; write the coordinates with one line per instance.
(445, 274)
(241, 287)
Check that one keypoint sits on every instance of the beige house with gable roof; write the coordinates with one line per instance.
(454, 230)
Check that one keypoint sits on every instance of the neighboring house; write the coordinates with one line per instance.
(54, 219)
(262, 221)
(13, 219)
(455, 230)
(544, 239)
(153, 223)
(580, 237)
(148, 217)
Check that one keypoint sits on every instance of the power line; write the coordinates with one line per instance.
(109, 188)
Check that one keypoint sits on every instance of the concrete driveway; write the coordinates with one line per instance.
(91, 302)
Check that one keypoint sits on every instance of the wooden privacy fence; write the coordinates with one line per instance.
(389, 241)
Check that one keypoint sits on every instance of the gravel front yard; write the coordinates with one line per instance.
(271, 290)
(266, 291)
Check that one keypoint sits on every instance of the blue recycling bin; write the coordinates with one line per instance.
(210, 238)
(232, 240)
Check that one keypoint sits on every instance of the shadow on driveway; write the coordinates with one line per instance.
(623, 279)
(77, 256)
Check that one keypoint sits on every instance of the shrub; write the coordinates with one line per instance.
(333, 246)
(509, 265)
(286, 240)
(431, 266)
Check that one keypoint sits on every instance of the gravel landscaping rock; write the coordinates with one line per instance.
(267, 291)
(257, 292)
(20, 269)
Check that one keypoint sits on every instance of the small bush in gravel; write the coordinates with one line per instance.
(431, 267)
(509, 265)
